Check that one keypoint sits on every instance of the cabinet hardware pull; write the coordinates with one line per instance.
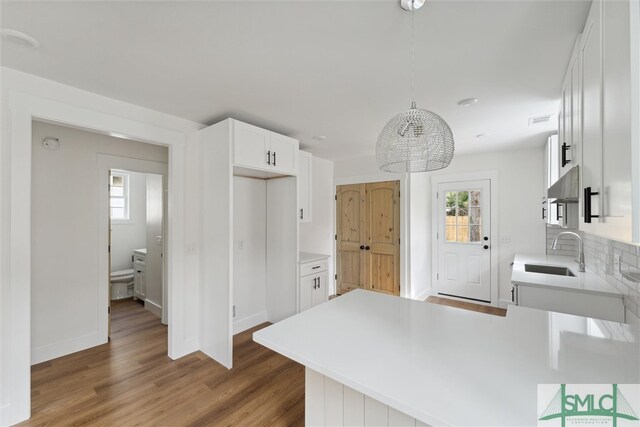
(361, 247)
(367, 247)
(274, 158)
(316, 267)
(565, 148)
(587, 204)
(544, 213)
(269, 157)
(558, 216)
(486, 246)
(301, 213)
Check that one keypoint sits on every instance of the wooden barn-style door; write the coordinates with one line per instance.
(368, 237)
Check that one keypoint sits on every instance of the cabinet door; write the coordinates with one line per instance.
(136, 284)
(575, 111)
(284, 154)
(320, 292)
(567, 127)
(250, 146)
(143, 286)
(306, 291)
(304, 186)
(591, 58)
(616, 121)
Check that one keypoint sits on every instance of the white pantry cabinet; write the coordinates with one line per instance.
(258, 148)
(305, 169)
(314, 280)
(228, 149)
(605, 65)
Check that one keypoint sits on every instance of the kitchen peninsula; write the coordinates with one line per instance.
(373, 358)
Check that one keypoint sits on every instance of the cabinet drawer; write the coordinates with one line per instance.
(314, 267)
(138, 259)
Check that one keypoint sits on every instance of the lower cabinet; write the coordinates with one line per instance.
(139, 282)
(597, 306)
(314, 280)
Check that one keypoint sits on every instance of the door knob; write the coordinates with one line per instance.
(367, 247)
(361, 247)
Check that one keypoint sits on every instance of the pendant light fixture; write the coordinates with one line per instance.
(415, 140)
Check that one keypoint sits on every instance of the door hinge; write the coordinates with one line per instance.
(437, 195)
(335, 197)
(109, 248)
(437, 236)
(398, 240)
(109, 310)
(437, 276)
(335, 237)
(335, 277)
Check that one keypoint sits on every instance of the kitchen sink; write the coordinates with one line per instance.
(548, 269)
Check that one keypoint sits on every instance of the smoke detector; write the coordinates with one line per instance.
(19, 37)
(51, 144)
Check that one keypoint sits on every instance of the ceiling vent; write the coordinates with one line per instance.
(538, 120)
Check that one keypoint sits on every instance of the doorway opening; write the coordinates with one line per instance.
(71, 288)
(136, 239)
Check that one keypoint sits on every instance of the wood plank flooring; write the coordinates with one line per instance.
(131, 381)
(468, 306)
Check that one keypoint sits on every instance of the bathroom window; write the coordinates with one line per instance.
(119, 196)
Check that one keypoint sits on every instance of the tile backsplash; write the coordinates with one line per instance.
(609, 259)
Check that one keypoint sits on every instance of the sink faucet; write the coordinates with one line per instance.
(580, 247)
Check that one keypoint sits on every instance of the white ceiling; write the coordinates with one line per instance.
(305, 68)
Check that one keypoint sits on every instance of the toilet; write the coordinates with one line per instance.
(121, 284)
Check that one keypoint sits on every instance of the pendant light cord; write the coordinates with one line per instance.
(413, 56)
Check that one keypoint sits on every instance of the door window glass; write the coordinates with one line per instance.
(463, 216)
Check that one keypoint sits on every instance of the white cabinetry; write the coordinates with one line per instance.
(605, 54)
(569, 301)
(304, 186)
(139, 281)
(261, 149)
(233, 148)
(549, 209)
(314, 280)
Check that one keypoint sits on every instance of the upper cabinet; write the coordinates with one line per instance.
(569, 117)
(304, 186)
(257, 148)
(603, 135)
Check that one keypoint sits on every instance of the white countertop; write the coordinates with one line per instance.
(142, 251)
(309, 256)
(448, 366)
(588, 281)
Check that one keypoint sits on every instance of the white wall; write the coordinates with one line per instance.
(64, 221)
(154, 236)
(249, 252)
(317, 236)
(520, 191)
(26, 96)
(132, 234)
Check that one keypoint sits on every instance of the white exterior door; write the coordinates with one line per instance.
(464, 245)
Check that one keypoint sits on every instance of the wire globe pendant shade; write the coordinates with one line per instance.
(415, 140)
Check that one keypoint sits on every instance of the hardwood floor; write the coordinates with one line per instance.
(468, 306)
(131, 381)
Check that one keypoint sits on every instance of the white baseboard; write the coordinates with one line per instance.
(62, 348)
(423, 295)
(249, 322)
(153, 307)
